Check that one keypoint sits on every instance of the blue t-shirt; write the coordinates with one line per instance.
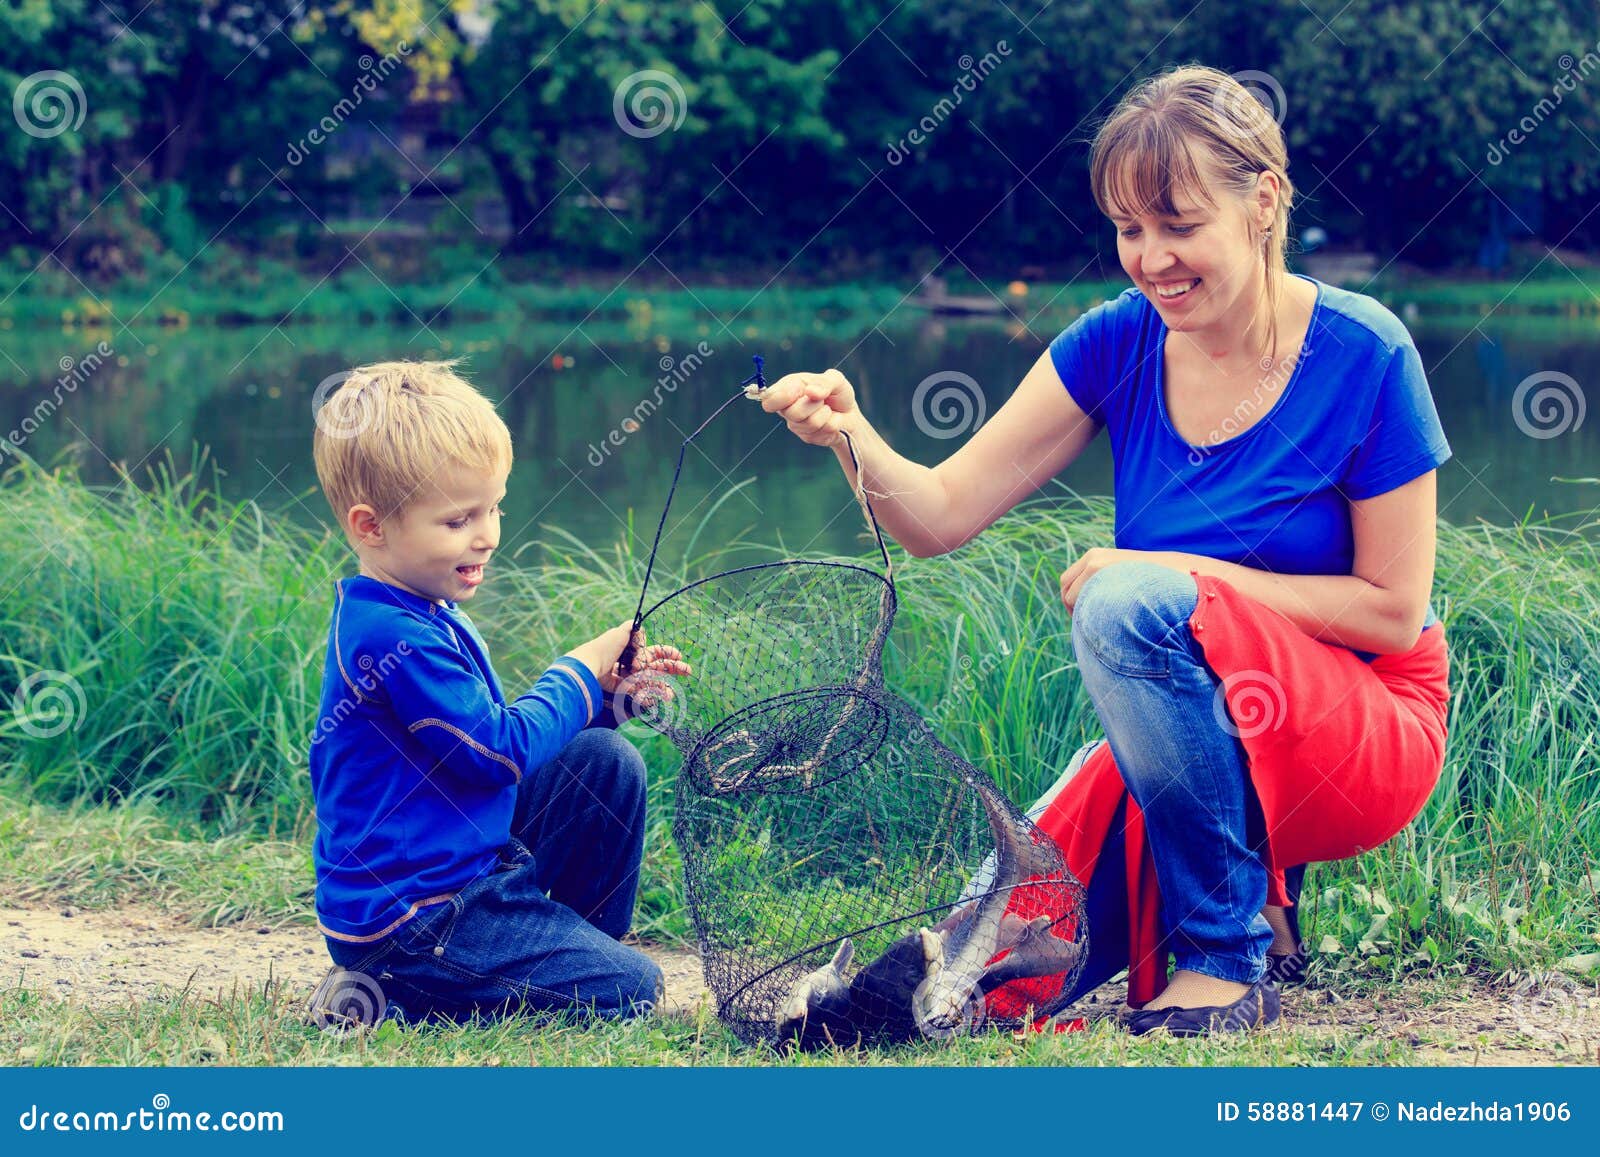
(1354, 420)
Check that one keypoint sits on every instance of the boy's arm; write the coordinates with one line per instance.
(441, 699)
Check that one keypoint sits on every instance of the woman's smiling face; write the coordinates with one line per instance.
(1198, 264)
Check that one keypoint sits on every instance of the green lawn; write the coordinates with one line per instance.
(188, 633)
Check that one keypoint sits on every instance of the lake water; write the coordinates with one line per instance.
(593, 462)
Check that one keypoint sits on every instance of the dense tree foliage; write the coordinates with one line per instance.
(629, 130)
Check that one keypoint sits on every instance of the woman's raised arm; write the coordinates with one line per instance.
(931, 510)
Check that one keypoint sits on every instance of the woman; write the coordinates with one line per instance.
(1275, 450)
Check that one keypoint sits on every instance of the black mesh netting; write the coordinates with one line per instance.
(849, 877)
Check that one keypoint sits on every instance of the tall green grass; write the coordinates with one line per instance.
(195, 630)
(172, 640)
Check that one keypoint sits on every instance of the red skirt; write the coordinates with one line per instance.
(1342, 755)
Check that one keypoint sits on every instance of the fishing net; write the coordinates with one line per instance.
(849, 878)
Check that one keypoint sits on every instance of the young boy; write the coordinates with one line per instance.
(471, 854)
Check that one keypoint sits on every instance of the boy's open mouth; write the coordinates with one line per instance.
(471, 575)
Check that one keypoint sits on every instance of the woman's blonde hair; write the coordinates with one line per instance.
(384, 429)
(1193, 128)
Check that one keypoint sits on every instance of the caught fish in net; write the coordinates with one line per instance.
(850, 879)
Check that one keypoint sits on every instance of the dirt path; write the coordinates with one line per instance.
(101, 957)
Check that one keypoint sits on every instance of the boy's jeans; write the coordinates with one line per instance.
(501, 943)
(1158, 704)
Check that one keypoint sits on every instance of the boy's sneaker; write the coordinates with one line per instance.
(345, 1002)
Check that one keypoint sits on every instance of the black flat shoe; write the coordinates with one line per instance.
(1255, 1009)
(1284, 969)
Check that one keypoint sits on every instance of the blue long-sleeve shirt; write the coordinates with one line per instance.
(417, 755)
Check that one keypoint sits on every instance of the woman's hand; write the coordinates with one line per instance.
(816, 407)
(1097, 558)
(652, 662)
(648, 682)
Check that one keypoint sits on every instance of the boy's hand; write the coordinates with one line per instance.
(601, 655)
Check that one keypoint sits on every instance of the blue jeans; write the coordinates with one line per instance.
(1158, 704)
(540, 932)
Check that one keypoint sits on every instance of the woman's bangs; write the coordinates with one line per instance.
(1145, 170)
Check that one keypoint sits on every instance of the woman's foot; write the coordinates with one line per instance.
(1284, 940)
(1286, 956)
(1196, 990)
(1251, 1006)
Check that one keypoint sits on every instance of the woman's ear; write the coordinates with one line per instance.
(1268, 188)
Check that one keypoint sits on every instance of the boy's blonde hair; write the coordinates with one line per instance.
(385, 428)
(1179, 127)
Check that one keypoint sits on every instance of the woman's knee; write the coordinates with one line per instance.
(1132, 615)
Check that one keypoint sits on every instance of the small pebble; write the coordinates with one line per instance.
(263, 931)
(68, 912)
(32, 953)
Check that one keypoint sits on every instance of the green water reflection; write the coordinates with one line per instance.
(592, 461)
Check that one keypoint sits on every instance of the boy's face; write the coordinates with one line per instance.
(438, 547)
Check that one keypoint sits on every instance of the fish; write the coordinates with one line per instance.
(932, 981)
(1033, 952)
(823, 1009)
(818, 1009)
(956, 961)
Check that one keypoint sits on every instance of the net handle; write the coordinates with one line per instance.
(759, 381)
